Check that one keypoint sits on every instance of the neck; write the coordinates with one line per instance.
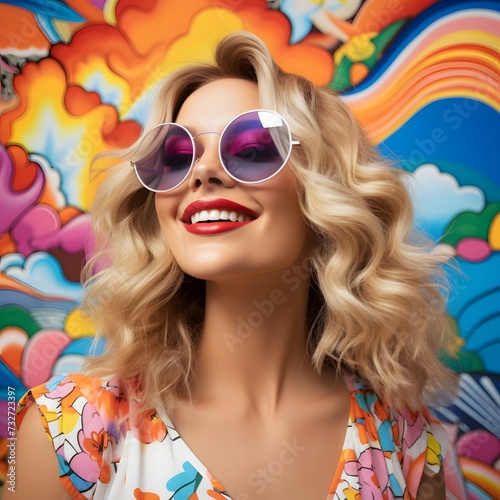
(253, 346)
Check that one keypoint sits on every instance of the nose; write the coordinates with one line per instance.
(208, 170)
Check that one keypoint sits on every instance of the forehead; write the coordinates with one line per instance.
(215, 104)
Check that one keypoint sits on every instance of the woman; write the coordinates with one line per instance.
(272, 326)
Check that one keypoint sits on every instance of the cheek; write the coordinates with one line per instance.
(165, 210)
(286, 199)
(298, 232)
(289, 228)
(171, 228)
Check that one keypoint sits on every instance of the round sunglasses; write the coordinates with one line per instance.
(253, 147)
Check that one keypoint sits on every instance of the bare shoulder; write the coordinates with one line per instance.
(432, 488)
(36, 467)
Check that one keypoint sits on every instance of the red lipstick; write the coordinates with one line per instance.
(214, 227)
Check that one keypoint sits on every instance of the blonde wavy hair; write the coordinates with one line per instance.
(376, 289)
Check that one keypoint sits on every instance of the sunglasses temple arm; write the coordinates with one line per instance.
(295, 143)
(146, 170)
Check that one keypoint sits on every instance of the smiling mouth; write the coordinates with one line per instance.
(215, 216)
(223, 215)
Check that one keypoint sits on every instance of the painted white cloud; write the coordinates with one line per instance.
(438, 198)
(11, 260)
(303, 14)
(109, 94)
(52, 177)
(42, 272)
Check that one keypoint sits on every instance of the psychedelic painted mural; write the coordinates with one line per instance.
(422, 76)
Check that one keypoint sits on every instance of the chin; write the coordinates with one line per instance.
(211, 271)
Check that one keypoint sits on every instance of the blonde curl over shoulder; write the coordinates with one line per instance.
(377, 285)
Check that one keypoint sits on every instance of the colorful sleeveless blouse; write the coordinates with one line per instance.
(104, 453)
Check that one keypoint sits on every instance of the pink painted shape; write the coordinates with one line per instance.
(473, 249)
(479, 444)
(41, 220)
(13, 204)
(41, 352)
(40, 230)
(71, 237)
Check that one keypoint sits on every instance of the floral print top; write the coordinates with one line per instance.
(104, 453)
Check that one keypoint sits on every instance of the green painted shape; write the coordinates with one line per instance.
(470, 225)
(385, 37)
(465, 362)
(341, 79)
(18, 317)
(341, 75)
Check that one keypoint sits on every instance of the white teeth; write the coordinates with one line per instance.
(214, 215)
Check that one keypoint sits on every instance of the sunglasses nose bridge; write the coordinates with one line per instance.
(207, 167)
(197, 156)
(206, 132)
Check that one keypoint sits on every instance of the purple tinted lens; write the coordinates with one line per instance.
(169, 158)
(255, 145)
